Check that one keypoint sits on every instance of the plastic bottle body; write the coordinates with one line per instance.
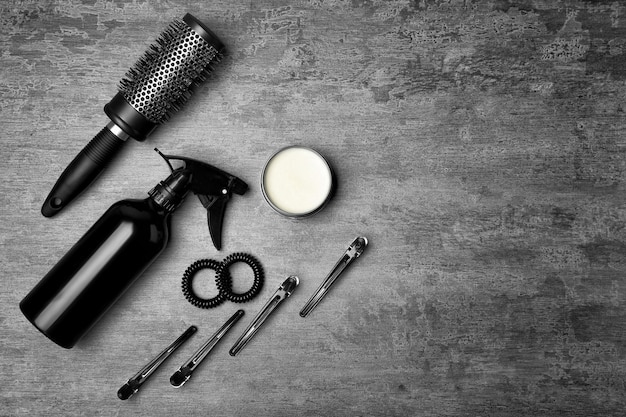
(97, 270)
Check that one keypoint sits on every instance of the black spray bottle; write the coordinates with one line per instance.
(130, 235)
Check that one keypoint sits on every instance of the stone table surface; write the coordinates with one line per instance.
(478, 145)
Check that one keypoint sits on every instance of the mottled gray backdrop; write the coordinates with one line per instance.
(479, 145)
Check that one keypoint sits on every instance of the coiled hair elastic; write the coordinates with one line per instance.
(187, 284)
(223, 280)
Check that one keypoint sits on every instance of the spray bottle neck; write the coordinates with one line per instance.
(170, 193)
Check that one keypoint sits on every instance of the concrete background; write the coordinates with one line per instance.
(479, 145)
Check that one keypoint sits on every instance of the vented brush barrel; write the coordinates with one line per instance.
(157, 86)
(165, 77)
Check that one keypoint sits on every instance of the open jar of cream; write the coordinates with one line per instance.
(297, 181)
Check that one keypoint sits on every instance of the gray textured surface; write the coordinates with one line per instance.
(478, 145)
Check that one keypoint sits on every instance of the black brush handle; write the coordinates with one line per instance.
(82, 171)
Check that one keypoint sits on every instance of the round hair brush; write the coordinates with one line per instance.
(157, 85)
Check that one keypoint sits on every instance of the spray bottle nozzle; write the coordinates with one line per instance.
(213, 187)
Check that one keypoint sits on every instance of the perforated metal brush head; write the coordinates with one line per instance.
(163, 79)
(157, 86)
(160, 82)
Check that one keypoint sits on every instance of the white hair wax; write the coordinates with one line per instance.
(297, 181)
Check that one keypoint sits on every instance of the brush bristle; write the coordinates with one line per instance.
(161, 81)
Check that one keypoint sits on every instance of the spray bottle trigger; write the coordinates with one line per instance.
(215, 207)
(213, 187)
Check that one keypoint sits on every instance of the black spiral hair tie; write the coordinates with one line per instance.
(223, 280)
(188, 290)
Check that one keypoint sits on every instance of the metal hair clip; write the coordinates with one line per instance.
(283, 292)
(355, 250)
(184, 372)
(133, 384)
